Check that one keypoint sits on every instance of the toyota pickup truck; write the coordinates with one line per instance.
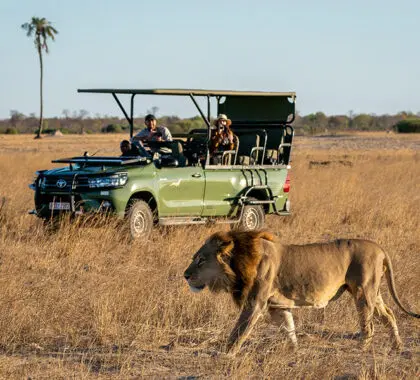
(179, 184)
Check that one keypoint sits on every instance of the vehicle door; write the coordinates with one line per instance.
(223, 186)
(180, 191)
(225, 183)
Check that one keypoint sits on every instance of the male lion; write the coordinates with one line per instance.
(262, 274)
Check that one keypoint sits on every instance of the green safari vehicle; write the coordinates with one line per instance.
(183, 186)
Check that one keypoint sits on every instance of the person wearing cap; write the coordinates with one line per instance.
(222, 137)
(152, 132)
(129, 149)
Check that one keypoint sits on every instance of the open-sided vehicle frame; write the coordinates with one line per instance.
(184, 187)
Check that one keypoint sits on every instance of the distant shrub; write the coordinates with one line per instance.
(49, 131)
(408, 126)
(112, 128)
(186, 125)
(11, 131)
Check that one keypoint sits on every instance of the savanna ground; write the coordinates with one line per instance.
(86, 303)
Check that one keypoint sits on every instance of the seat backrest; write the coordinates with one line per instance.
(279, 145)
(247, 141)
(175, 149)
(258, 153)
(195, 147)
(274, 137)
(230, 157)
(176, 146)
(249, 145)
(178, 152)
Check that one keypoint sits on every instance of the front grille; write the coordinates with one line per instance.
(65, 184)
(82, 183)
(58, 184)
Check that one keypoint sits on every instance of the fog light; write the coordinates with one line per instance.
(106, 204)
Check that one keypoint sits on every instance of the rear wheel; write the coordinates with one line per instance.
(140, 219)
(253, 218)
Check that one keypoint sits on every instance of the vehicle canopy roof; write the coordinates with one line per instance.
(242, 107)
(186, 92)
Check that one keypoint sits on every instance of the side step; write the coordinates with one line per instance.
(179, 220)
(260, 202)
(283, 213)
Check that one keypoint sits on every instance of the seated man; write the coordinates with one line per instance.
(152, 132)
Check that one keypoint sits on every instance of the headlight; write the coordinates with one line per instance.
(42, 182)
(115, 180)
(38, 182)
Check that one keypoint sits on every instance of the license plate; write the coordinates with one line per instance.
(59, 205)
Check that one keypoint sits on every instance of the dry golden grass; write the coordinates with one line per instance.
(85, 303)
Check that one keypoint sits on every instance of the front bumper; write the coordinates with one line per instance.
(102, 202)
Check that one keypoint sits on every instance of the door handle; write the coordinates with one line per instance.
(196, 175)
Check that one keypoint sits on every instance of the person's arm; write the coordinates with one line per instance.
(141, 150)
(231, 140)
(166, 134)
(141, 136)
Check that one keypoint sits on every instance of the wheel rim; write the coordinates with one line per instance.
(251, 219)
(138, 223)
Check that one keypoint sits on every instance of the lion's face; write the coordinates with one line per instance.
(207, 267)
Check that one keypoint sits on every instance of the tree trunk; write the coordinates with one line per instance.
(41, 115)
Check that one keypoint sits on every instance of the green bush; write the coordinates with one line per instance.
(112, 128)
(49, 131)
(68, 131)
(408, 126)
(11, 131)
(186, 125)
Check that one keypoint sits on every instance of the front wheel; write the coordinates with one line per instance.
(253, 218)
(140, 219)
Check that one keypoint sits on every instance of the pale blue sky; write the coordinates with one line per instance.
(337, 55)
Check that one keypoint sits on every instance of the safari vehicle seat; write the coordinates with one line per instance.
(177, 152)
(195, 146)
(229, 157)
(279, 145)
(175, 147)
(251, 143)
(259, 152)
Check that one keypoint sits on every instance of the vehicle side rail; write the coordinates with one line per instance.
(101, 160)
(246, 200)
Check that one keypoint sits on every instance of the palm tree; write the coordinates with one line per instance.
(42, 29)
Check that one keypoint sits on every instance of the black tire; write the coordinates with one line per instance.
(253, 218)
(140, 220)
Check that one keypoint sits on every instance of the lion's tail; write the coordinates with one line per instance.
(389, 273)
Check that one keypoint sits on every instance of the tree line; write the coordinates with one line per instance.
(80, 122)
(41, 30)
